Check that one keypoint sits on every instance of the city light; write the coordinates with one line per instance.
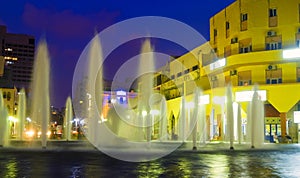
(144, 113)
(296, 116)
(242, 96)
(218, 64)
(13, 119)
(204, 99)
(291, 53)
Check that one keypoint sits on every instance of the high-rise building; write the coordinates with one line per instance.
(17, 51)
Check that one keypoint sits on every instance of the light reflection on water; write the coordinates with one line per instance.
(178, 164)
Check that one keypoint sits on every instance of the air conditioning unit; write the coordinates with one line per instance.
(233, 72)
(234, 40)
(214, 78)
(271, 33)
(272, 67)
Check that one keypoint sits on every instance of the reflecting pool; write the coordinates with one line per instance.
(181, 163)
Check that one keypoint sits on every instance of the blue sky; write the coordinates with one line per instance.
(69, 25)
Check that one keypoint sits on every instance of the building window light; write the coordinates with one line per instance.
(8, 49)
(291, 53)
(218, 64)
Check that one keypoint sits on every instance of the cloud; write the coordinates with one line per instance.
(66, 24)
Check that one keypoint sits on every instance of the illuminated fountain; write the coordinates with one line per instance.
(40, 109)
(145, 83)
(3, 123)
(68, 118)
(256, 131)
(229, 116)
(195, 118)
(21, 114)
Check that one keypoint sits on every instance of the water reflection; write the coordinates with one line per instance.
(149, 169)
(11, 168)
(179, 164)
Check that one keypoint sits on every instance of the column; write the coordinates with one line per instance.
(283, 124)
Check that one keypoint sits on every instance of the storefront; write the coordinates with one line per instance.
(272, 129)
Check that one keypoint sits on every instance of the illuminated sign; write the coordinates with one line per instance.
(242, 96)
(291, 53)
(218, 64)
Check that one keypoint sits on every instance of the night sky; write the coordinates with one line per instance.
(68, 27)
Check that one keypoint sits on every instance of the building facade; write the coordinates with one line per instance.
(17, 51)
(251, 42)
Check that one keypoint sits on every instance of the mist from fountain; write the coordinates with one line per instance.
(40, 109)
(21, 112)
(4, 137)
(68, 118)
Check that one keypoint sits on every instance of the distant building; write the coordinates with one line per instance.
(16, 61)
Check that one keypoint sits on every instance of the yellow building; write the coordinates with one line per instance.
(251, 42)
(10, 99)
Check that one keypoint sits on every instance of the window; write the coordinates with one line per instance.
(273, 17)
(273, 12)
(245, 45)
(215, 32)
(8, 96)
(246, 49)
(298, 74)
(227, 51)
(195, 67)
(273, 46)
(299, 12)
(179, 74)
(215, 35)
(273, 42)
(273, 75)
(244, 78)
(227, 25)
(298, 43)
(244, 17)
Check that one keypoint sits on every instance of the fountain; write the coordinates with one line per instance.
(21, 114)
(202, 120)
(146, 87)
(68, 119)
(94, 90)
(182, 119)
(229, 116)
(40, 109)
(195, 118)
(239, 123)
(163, 122)
(4, 123)
(257, 120)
